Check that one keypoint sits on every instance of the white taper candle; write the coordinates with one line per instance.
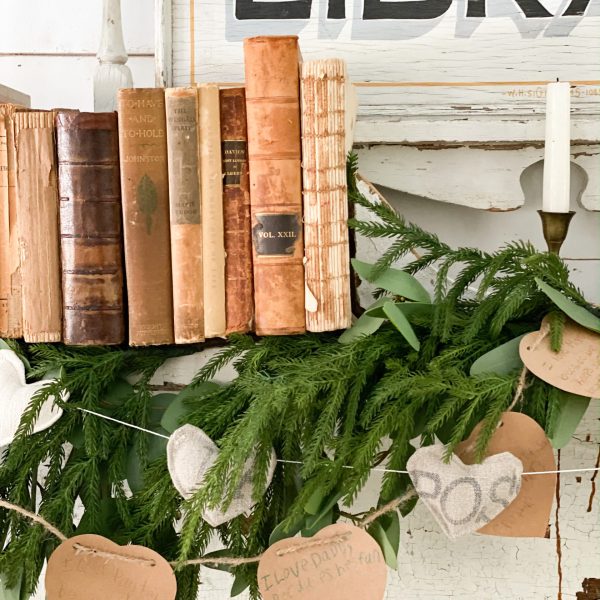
(557, 157)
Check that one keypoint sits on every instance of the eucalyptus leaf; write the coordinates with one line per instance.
(158, 405)
(396, 281)
(390, 554)
(117, 394)
(240, 583)
(410, 309)
(313, 525)
(502, 360)
(579, 314)
(326, 506)
(157, 447)
(401, 323)
(281, 533)
(364, 325)
(7, 593)
(571, 409)
(181, 405)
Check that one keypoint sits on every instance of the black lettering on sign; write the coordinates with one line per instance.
(291, 9)
(419, 9)
(276, 235)
(577, 8)
(532, 9)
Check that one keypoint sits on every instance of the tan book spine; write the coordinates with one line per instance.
(236, 210)
(186, 225)
(4, 224)
(10, 251)
(326, 248)
(272, 103)
(145, 198)
(38, 227)
(213, 244)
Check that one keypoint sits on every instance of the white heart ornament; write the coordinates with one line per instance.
(16, 395)
(463, 498)
(190, 454)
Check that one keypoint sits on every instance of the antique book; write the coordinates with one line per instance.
(211, 179)
(239, 292)
(145, 200)
(90, 227)
(272, 103)
(10, 269)
(38, 226)
(186, 225)
(323, 86)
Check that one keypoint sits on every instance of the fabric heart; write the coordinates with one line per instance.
(16, 395)
(463, 498)
(190, 454)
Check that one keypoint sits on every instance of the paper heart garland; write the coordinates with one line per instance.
(16, 395)
(190, 454)
(528, 514)
(340, 562)
(82, 567)
(575, 368)
(462, 497)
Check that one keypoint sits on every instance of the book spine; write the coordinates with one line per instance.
(326, 248)
(145, 199)
(236, 212)
(211, 179)
(10, 245)
(38, 226)
(4, 225)
(90, 227)
(186, 226)
(272, 102)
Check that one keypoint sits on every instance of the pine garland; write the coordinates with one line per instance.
(328, 405)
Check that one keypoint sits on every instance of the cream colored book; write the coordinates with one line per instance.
(211, 188)
(325, 132)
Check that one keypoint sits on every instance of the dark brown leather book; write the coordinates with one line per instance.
(145, 198)
(272, 103)
(90, 227)
(239, 292)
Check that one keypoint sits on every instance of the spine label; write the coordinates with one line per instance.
(235, 155)
(276, 235)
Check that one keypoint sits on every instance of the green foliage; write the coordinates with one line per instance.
(332, 411)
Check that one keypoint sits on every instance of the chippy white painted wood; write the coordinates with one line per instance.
(112, 73)
(163, 45)
(13, 96)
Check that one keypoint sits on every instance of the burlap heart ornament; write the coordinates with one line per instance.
(16, 395)
(463, 498)
(190, 454)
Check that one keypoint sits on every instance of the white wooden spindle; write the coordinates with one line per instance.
(112, 73)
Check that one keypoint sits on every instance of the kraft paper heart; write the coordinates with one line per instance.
(16, 395)
(528, 514)
(95, 568)
(190, 454)
(340, 562)
(575, 368)
(463, 498)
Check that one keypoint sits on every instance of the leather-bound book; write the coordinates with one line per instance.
(145, 199)
(239, 292)
(272, 103)
(323, 85)
(90, 227)
(38, 226)
(186, 226)
(211, 180)
(11, 317)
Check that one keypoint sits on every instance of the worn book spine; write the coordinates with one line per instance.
(326, 248)
(90, 228)
(272, 102)
(4, 223)
(38, 226)
(186, 224)
(145, 199)
(213, 243)
(239, 291)
(9, 253)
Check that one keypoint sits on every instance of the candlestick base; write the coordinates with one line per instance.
(555, 227)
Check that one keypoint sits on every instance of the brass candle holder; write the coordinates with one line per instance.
(555, 226)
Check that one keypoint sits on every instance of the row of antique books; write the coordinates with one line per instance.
(217, 210)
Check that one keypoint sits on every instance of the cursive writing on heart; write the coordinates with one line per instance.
(340, 562)
(17, 395)
(190, 454)
(92, 567)
(463, 498)
(527, 515)
(575, 368)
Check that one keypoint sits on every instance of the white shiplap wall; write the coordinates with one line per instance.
(47, 50)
